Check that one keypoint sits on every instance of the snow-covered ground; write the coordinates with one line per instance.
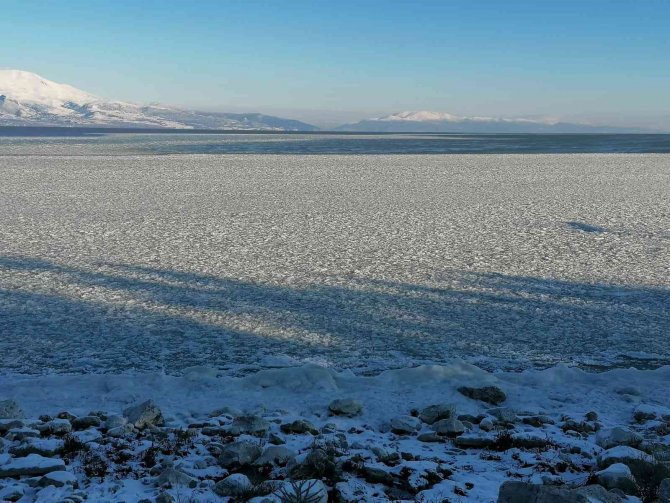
(275, 284)
(145, 263)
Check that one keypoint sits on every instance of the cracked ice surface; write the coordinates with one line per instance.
(114, 263)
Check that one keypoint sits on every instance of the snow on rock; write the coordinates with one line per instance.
(144, 414)
(32, 465)
(618, 436)
(622, 454)
(234, 485)
(614, 476)
(345, 407)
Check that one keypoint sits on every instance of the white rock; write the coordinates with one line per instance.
(621, 454)
(614, 476)
(405, 425)
(618, 436)
(31, 465)
(58, 479)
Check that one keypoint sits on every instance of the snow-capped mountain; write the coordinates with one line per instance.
(26, 99)
(441, 122)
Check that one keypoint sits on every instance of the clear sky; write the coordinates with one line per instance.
(328, 61)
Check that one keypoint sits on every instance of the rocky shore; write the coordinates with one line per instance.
(436, 453)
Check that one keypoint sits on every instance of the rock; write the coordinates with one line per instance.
(385, 456)
(530, 440)
(120, 431)
(617, 476)
(144, 415)
(31, 465)
(249, 425)
(618, 436)
(115, 422)
(591, 416)
(10, 409)
(523, 492)
(345, 407)
(664, 491)
(175, 477)
(311, 490)
(377, 476)
(486, 424)
(430, 437)
(578, 426)
(488, 394)
(276, 455)
(503, 415)
(434, 413)
(56, 427)
(235, 485)
(22, 433)
(47, 447)
(10, 424)
(226, 411)
(622, 454)
(276, 439)
(300, 426)
(537, 421)
(451, 427)
(164, 498)
(12, 493)
(239, 453)
(470, 441)
(58, 479)
(405, 425)
(84, 422)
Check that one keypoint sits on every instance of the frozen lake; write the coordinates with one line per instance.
(146, 262)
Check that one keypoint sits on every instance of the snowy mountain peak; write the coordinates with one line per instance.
(31, 88)
(421, 116)
(27, 99)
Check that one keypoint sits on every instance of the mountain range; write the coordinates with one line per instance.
(26, 99)
(438, 122)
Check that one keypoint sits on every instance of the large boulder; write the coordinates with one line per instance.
(489, 394)
(616, 476)
(144, 414)
(451, 427)
(249, 425)
(405, 425)
(622, 454)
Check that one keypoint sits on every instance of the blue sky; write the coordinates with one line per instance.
(329, 61)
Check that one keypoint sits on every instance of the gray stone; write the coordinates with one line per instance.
(503, 415)
(345, 407)
(474, 441)
(434, 413)
(239, 453)
(144, 415)
(10, 424)
(58, 479)
(235, 485)
(377, 476)
(618, 436)
(164, 498)
(276, 455)
(84, 422)
(405, 425)
(451, 427)
(430, 437)
(300, 426)
(115, 422)
(622, 454)
(22, 433)
(489, 394)
(10, 409)
(486, 424)
(249, 425)
(56, 427)
(616, 476)
(175, 477)
(31, 465)
(47, 447)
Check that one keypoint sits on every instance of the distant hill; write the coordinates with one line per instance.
(439, 122)
(26, 99)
